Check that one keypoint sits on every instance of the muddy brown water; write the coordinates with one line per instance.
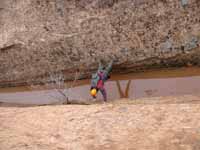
(171, 82)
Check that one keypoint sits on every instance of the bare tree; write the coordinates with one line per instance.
(56, 83)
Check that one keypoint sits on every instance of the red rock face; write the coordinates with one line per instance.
(38, 37)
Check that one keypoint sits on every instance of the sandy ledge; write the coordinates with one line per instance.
(162, 123)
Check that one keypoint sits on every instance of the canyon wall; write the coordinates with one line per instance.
(38, 37)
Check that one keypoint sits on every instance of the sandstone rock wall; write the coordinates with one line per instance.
(42, 36)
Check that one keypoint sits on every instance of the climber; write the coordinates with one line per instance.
(98, 80)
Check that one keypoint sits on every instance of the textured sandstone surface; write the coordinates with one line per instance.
(170, 123)
(42, 36)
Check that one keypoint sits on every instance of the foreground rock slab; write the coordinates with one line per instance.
(142, 125)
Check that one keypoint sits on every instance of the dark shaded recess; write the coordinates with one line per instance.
(164, 1)
(83, 3)
(46, 28)
(198, 3)
(180, 60)
(4, 49)
(106, 3)
(39, 2)
(183, 49)
(98, 3)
